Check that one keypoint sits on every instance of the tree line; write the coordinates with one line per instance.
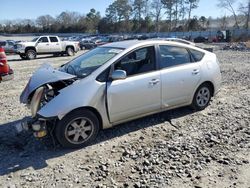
(130, 16)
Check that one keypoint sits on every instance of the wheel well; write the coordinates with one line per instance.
(211, 86)
(98, 115)
(70, 47)
(30, 48)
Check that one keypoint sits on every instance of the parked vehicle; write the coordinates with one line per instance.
(46, 45)
(8, 46)
(87, 44)
(116, 83)
(200, 39)
(6, 73)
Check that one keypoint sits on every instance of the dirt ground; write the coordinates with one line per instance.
(177, 148)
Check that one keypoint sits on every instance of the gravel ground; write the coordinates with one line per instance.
(178, 148)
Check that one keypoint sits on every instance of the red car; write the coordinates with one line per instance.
(6, 73)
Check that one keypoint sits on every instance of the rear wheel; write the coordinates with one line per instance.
(31, 54)
(70, 51)
(202, 97)
(77, 129)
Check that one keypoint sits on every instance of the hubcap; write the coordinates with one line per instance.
(70, 51)
(203, 97)
(79, 130)
(31, 55)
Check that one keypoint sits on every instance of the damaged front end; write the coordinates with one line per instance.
(43, 86)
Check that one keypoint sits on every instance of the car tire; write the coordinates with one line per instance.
(77, 129)
(202, 97)
(23, 56)
(70, 51)
(30, 54)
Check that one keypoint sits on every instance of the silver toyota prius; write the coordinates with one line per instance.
(116, 83)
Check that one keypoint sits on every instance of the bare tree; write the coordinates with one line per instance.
(156, 12)
(223, 22)
(45, 21)
(169, 6)
(228, 5)
(192, 4)
(244, 8)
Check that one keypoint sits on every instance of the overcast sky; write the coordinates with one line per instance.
(31, 9)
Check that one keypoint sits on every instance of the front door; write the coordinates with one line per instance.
(140, 92)
(43, 45)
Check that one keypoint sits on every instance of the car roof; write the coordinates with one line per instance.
(137, 43)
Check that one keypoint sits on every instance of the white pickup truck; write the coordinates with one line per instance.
(46, 45)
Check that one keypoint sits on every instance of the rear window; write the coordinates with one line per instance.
(197, 55)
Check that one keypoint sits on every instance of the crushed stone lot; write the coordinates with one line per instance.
(177, 148)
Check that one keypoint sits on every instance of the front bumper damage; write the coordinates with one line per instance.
(37, 126)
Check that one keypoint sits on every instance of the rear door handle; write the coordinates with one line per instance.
(195, 72)
(154, 81)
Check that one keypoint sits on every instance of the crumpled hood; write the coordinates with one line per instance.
(44, 75)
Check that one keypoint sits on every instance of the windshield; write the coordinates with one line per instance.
(35, 39)
(87, 63)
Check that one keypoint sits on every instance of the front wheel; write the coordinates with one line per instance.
(70, 51)
(77, 129)
(202, 97)
(31, 54)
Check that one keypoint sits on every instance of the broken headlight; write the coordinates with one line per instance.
(35, 101)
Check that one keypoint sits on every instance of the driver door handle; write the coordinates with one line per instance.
(196, 71)
(154, 81)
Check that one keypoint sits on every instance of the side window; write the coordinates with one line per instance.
(43, 39)
(53, 39)
(103, 77)
(197, 55)
(138, 61)
(173, 55)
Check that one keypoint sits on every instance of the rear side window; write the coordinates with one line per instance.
(173, 56)
(197, 55)
(53, 39)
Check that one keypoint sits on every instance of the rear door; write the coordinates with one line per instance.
(140, 92)
(179, 75)
(55, 44)
(43, 45)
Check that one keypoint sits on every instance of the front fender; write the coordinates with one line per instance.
(80, 94)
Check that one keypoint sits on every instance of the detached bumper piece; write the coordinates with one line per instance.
(38, 127)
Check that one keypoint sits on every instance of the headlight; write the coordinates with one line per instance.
(19, 46)
(35, 101)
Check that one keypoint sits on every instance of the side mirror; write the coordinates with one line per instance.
(119, 75)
